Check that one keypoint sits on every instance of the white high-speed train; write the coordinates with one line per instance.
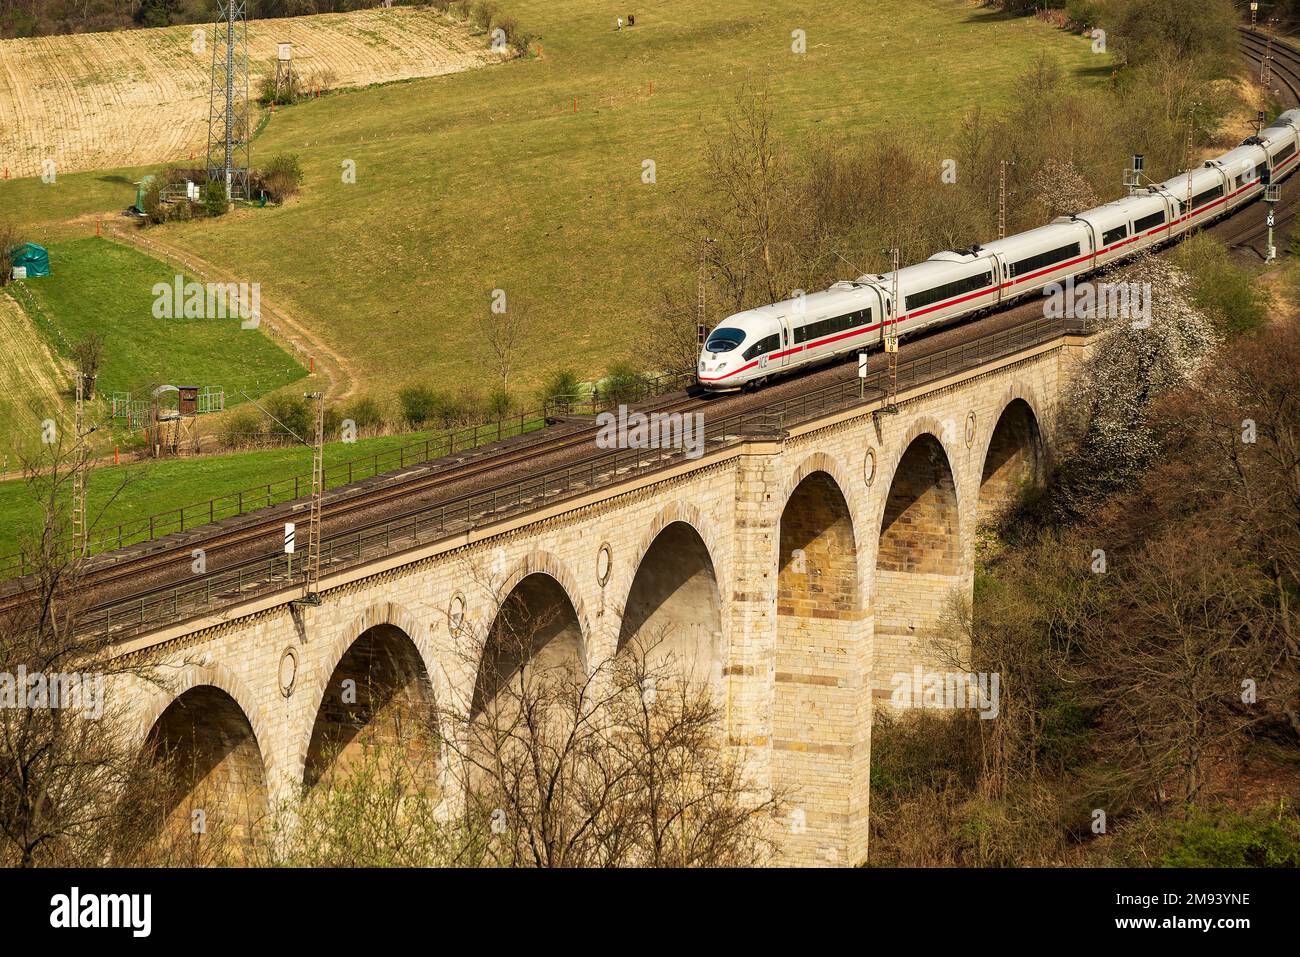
(750, 347)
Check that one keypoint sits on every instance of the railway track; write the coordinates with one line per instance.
(242, 553)
(1285, 68)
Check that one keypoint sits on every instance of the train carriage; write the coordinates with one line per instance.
(1279, 140)
(1111, 231)
(1042, 256)
(952, 283)
(1245, 169)
(752, 346)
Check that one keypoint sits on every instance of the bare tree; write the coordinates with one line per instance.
(504, 335)
(617, 763)
(72, 785)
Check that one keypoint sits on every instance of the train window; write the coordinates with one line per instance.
(724, 340)
(1283, 153)
(762, 346)
(1111, 235)
(1147, 222)
(1059, 254)
(948, 290)
(1200, 199)
(827, 327)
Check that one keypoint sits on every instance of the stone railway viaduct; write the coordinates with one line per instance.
(797, 571)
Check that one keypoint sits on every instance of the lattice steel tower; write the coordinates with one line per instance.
(229, 130)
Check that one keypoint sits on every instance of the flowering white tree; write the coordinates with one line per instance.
(1131, 362)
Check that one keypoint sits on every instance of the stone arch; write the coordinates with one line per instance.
(674, 601)
(216, 796)
(920, 560)
(325, 664)
(821, 713)
(539, 562)
(1013, 459)
(206, 672)
(688, 513)
(539, 626)
(920, 524)
(378, 693)
(819, 462)
(950, 444)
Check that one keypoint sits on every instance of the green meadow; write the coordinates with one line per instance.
(488, 179)
(524, 177)
(100, 286)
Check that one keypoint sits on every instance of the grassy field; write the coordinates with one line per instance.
(104, 99)
(488, 179)
(32, 381)
(127, 494)
(96, 285)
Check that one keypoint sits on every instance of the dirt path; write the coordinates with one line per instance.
(332, 369)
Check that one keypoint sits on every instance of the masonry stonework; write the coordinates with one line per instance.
(800, 570)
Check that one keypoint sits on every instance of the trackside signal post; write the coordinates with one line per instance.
(1272, 194)
(891, 340)
(310, 594)
(701, 327)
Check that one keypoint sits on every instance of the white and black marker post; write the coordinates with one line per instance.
(288, 545)
(862, 376)
(1272, 194)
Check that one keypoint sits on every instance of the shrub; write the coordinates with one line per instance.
(515, 35)
(481, 14)
(365, 412)
(290, 93)
(419, 404)
(500, 404)
(1234, 839)
(291, 412)
(465, 409)
(560, 390)
(624, 383)
(333, 422)
(8, 240)
(1084, 13)
(244, 428)
(1226, 293)
(212, 197)
(154, 210)
(281, 178)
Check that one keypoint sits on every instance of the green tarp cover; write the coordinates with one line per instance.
(34, 257)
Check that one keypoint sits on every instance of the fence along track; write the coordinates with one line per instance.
(263, 576)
